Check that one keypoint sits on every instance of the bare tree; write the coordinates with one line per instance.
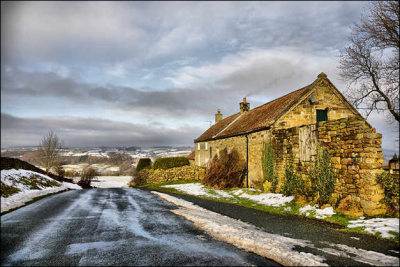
(50, 148)
(370, 62)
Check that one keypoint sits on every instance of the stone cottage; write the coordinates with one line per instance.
(296, 122)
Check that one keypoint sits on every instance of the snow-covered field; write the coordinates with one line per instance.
(381, 225)
(272, 246)
(21, 181)
(109, 181)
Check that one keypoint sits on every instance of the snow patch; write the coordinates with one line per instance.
(269, 199)
(377, 225)
(319, 213)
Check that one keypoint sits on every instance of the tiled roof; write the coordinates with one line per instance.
(192, 155)
(254, 119)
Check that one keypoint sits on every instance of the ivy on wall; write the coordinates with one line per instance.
(270, 179)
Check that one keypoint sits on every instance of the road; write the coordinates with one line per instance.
(120, 226)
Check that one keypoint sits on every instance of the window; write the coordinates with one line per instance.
(322, 115)
(198, 146)
(206, 145)
(211, 152)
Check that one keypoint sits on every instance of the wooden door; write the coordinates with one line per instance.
(307, 142)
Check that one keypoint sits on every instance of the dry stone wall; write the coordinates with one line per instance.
(173, 174)
(356, 155)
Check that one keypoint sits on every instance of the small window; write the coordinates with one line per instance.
(206, 145)
(210, 152)
(198, 146)
(322, 115)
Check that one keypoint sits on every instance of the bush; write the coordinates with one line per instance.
(87, 175)
(225, 171)
(293, 185)
(322, 176)
(139, 178)
(390, 183)
(143, 163)
(171, 162)
(268, 166)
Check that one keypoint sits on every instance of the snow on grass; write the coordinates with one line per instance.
(315, 211)
(21, 186)
(377, 225)
(269, 199)
(198, 189)
(245, 236)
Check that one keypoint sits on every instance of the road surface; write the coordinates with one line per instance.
(120, 226)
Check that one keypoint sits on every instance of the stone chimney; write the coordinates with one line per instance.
(218, 116)
(244, 106)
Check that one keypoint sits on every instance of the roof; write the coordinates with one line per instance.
(192, 155)
(258, 118)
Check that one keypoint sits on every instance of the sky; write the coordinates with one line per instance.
(155, 73)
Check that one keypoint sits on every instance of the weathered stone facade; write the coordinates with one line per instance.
(173, 174)
(305, 112)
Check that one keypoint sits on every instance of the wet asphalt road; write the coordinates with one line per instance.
(318, 232)
(110, 227)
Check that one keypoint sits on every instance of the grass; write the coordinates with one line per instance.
(33, 201)
(341, 221)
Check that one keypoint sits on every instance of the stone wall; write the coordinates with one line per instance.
(356, 155)
(173, 174)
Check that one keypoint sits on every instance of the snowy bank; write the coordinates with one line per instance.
(28, 185)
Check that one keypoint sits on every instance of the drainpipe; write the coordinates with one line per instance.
(247, 161)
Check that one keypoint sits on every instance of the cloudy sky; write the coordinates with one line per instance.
(154, 73)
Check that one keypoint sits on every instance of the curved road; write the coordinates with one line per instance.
(110, 227)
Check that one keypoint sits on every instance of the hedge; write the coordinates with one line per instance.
(171, 162)
(143, 163)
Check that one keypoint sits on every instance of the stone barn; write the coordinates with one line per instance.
(296, 122)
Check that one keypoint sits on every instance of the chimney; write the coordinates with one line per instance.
(218, 116)
(244, 106)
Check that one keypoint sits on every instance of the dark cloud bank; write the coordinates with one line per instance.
(86, 132)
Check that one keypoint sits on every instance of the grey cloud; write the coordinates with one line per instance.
(91, 132)
(167, 103)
